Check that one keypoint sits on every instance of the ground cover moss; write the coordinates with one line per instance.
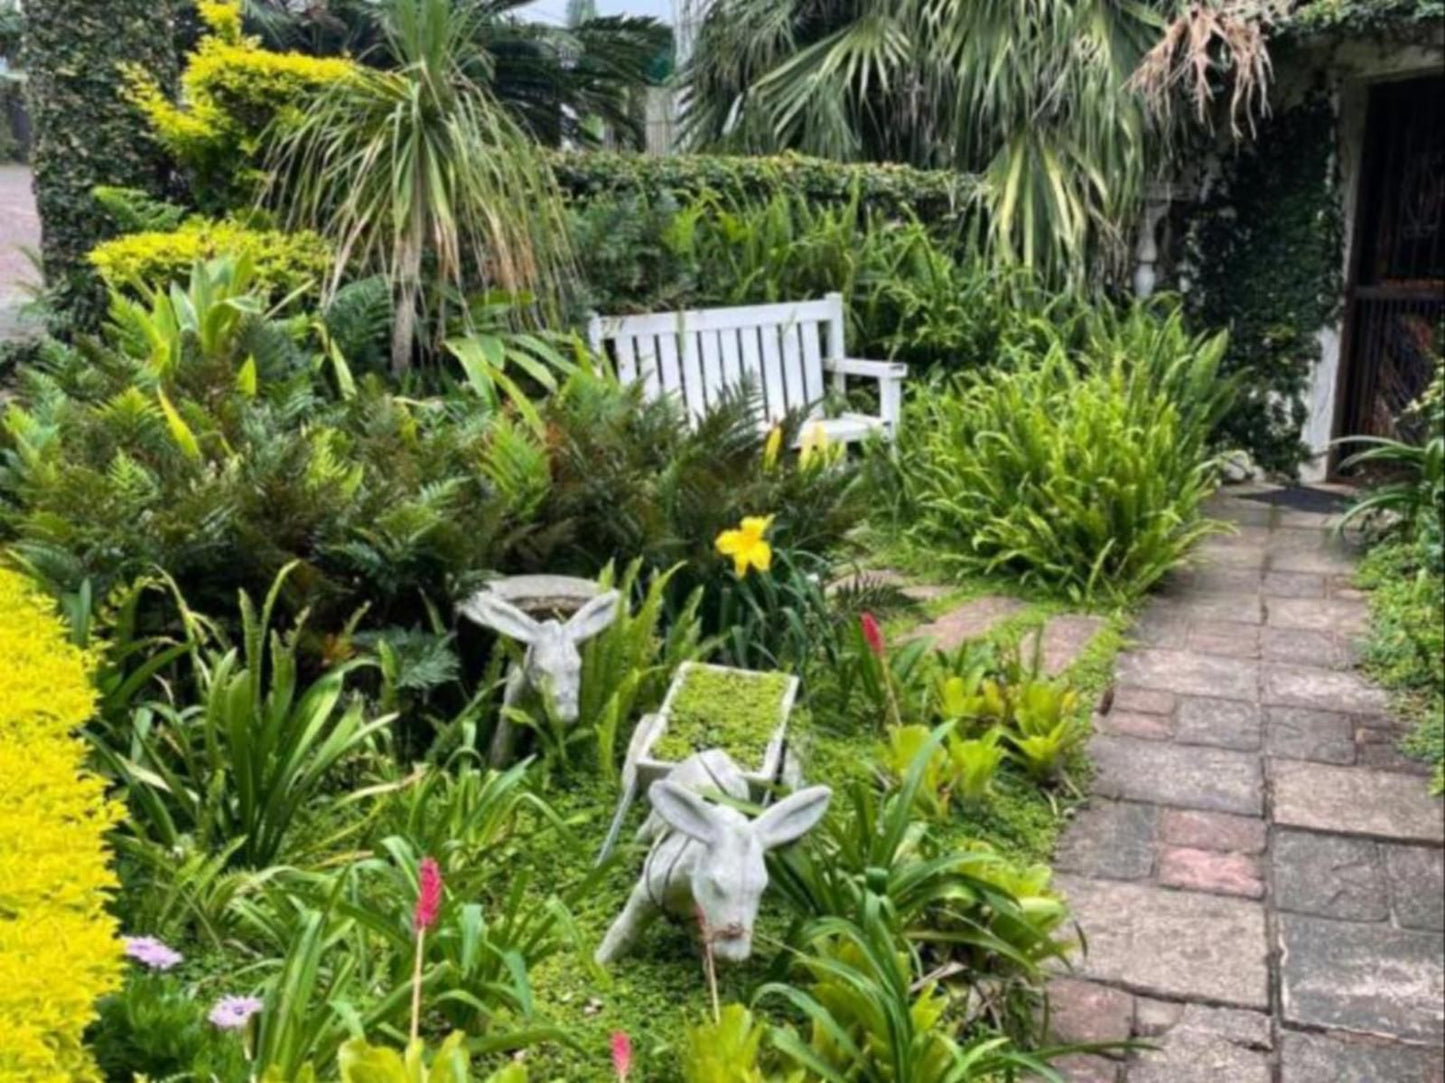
(735, 711)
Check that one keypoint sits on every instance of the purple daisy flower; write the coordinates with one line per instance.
(150, 952)
(233, 1013)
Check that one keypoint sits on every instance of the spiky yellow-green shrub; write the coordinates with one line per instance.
(283, 262)
(231, 90)
(58, 946)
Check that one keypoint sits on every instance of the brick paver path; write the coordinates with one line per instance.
(19, 229)
(1258, 872)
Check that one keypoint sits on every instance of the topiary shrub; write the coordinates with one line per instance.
(58, 947)
(231, 90)
(85, 133)
(282, 262)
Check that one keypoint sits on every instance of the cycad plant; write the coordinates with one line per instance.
(419, 173)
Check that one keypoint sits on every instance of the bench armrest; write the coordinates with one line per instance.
(889, 374)
(878, 370)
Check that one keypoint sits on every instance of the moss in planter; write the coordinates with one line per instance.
(731, 710)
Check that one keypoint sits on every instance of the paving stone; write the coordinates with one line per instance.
(1214, 779)
(1317, 561)
(1372, 979)
(923, 593)
(1416, 875)
(1160, 631)
(1306, 686)
(1301, 646)
(1292, 585)
(1143, 700)
(1295, 540)
(969, 621)
(1290, 518)
(1213, 831)
(1323, 1058)
(1249, 1029)
(1355, 801)
(1110, 839)
(1227, 723)
(1379, 746)
(1149, 727)
(1208, 870)
(1334, 876)
(1210, 579)
(1086, 1068)
(1233, 608)
(1224, 638)
(1232, 553)
(1245, 513)
(1320, 615)
(1298, 733)
(1065, 638)
(1171, 943)
(1190, 674)
(1085, 1012)
(1188, 1055)
(1153, 1017)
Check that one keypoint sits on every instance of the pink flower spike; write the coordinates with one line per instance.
(622, 1054)
(429, 895)
(873, 633)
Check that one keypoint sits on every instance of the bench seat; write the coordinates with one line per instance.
(790, 351)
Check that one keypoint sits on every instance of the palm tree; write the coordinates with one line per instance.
(418, 171)
(561, 83)
(1029, 94)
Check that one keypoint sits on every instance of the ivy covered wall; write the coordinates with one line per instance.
(85, 134)
(1262, 255)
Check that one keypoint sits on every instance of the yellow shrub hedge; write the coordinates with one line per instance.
(283, 261)
(58, 947)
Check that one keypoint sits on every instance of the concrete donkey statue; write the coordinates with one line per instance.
(552, 665)
(707, 859)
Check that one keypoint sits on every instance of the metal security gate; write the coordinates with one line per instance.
(1396, 297)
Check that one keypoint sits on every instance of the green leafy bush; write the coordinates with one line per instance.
(932, 195)
(1082, 470)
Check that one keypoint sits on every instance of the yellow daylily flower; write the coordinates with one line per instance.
(773, 448)
(747, 546)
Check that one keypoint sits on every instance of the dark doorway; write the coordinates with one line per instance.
(1395, 298)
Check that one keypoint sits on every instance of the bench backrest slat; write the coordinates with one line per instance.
(698, 354)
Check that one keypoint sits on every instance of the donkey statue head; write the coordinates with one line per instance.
(553, 664)
(708, 859)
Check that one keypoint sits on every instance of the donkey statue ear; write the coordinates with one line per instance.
(593, 617)
(492, 612)
(684, 811)
(792, 817)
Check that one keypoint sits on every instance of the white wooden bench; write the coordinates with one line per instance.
(786, 350)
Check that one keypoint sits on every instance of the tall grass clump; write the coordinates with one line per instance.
(1080, 463)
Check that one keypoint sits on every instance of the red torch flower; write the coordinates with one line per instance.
(622, 1054)
(872, 633)
(429, 895)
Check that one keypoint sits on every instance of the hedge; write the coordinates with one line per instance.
(85, 133)
(58, 946)
(284, 262)
(934, 195)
